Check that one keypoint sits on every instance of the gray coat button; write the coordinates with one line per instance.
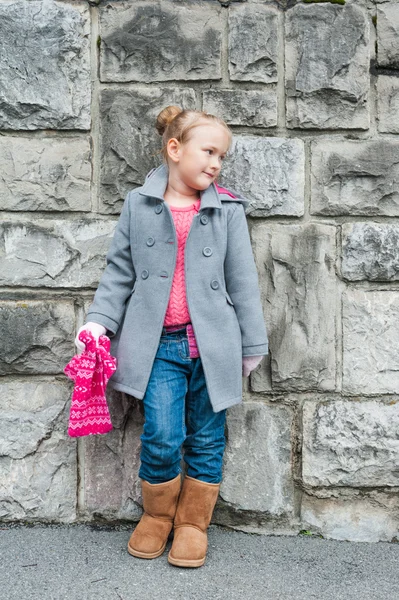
(204, 219)
(207, 251)
(144, 274)
(158, 208)
(150, 241)
(214, 284)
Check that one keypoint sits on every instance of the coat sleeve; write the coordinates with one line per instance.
(242, 285)
(118, 278)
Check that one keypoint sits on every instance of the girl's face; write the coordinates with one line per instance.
(199, 161)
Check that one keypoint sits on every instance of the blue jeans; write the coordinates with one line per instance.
(178, 412)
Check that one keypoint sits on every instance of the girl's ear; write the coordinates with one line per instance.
(173, 149)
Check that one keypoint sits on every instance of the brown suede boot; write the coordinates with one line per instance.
(149, 538)
(193, 516)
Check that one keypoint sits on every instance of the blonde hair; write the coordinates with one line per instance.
(175, 122)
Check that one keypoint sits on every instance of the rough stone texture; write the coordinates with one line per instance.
(45, 72)
(253, 45)
(49, 174)
(38, 475)
(257, 474)
(37, 336)
(327, 63)
(370, 342)
(388, 104)
(333, 334)
(54, 253)
(296, 270)
(355, 177)
(112, 461)
(130, 144)
(388, 35)
(160, 41)
(243, 107)
(350, 443)
(370, 251)
(353, 519)
(269, 172)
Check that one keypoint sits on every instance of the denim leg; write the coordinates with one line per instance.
(164, 427)
(205, 441)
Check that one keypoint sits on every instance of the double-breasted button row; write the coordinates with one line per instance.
(145, 274)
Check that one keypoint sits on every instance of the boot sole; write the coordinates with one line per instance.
(182, 562)
(139, 554)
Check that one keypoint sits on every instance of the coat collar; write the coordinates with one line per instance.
(156, 182)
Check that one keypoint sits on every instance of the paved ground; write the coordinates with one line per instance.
(89, 562)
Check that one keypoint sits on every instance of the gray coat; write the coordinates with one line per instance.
(222, 288)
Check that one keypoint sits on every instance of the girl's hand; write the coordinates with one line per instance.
(94, 328)
(249, 363)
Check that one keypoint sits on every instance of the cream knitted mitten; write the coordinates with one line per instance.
(95, 329)
(249, 363)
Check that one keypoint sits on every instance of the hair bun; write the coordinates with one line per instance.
(166, 116)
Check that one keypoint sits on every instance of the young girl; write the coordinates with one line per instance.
(180, 300)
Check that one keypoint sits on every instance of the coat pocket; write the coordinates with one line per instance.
(229, 300)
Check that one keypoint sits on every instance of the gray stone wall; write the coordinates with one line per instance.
(311, 91)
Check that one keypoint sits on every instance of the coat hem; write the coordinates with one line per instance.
(121, 387)
(228, 403)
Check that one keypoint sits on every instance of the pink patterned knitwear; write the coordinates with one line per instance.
(177, 310)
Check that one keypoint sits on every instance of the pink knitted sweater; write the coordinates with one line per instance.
(177, 310)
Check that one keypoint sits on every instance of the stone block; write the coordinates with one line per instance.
(388, 35)
(47, 174)
(112, 461)
(54, 253)
(350, 443)
(370, 251)
(359, 519)
(253, 43)
(45, 73)
(388, 104)
(251, 108)
(257, 473)
(160, 41)
(370, 342)
(37, 336)
(351, 177)
(269, 172)
(327, 60)
(38, 463)
(298, 287)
